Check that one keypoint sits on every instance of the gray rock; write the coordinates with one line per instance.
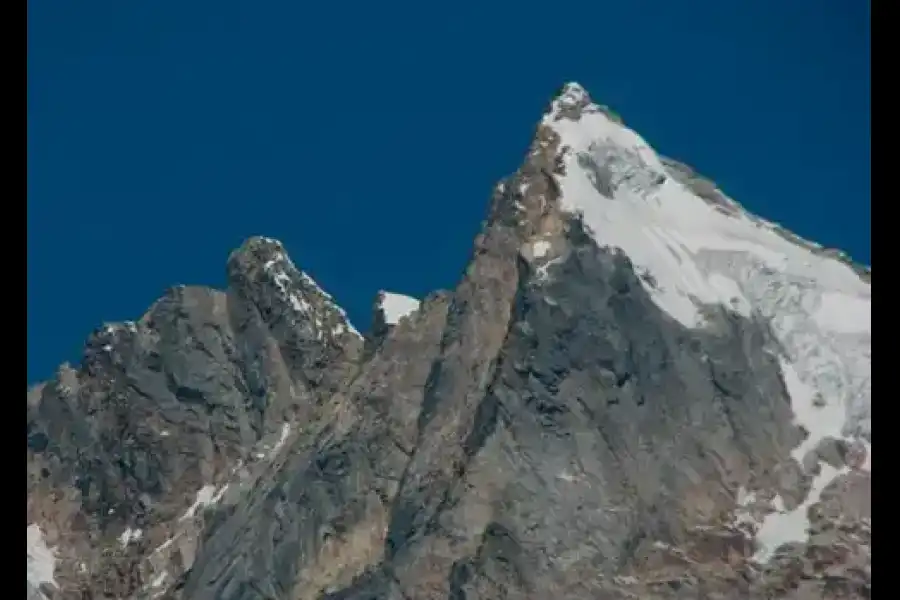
(543, 430)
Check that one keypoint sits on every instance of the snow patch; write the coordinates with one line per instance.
(842, 313)
(285, 432)
(279, 266)
(206, 496)
(628, 200)
(165, 545)
(158, 585)
(130, 535)
(396, 306)
(821, 417)
(783, 527)
(540, 248)
(693, 251)
(41, 559)
(159, 580)
(730, 294)
(745, 501)
(567, 476)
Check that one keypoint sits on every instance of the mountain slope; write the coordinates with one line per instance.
(637, 390)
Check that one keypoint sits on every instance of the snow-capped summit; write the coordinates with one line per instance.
(695, 249)
(571, 95)
(637, 389)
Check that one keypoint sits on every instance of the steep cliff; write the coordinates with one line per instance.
(637, 390)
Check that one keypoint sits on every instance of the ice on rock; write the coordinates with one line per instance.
(41, 560)
(396, 306)
(284, 273)
(698, 252)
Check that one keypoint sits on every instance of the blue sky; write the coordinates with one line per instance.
(367, 137)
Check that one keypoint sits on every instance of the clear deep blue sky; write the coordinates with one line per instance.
(367, 136)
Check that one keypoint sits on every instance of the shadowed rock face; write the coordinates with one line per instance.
(543, 430)
(164, 412)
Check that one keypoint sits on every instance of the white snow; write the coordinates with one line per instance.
(523, 188)
(158, 584)
(663, 228)
(206, 496)
(41, 559)
(823, 421)
(783, 527)
(165, 545)
(730, 293)
(697, 254)
(396, 306)
(843, 313)
(542, 272)
(282, 269)
(540, 248)
(285, 432)
(566, 476)
(745, 501)
(745, 498)
(219, 494)
(130, 535)
(159, 579)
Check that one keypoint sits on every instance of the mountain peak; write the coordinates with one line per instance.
(261, 265)
(632, 372)
(572, 93)
(572, 100)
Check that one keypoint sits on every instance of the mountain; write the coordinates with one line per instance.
(637, 390)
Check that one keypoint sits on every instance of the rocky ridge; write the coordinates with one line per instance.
(636, 390)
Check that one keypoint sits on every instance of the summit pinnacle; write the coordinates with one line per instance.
(637, 389)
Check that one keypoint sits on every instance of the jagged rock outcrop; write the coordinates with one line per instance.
(637, 390)
(124, 451)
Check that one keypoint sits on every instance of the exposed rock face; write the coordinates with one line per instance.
(574, 420)
(163, 413)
